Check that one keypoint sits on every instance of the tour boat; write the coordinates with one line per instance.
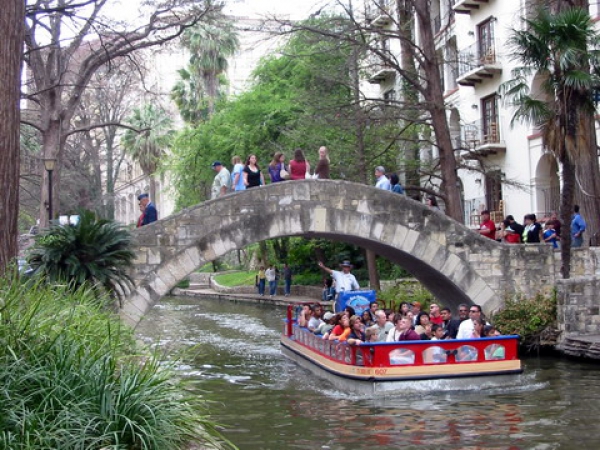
(386, 368)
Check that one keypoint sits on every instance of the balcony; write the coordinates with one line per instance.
(380, 72)
(468, 6)
(380, 13)
(479, 140)
(477, 63)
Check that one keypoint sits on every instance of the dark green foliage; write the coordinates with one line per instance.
(527, 317)
(95, 252)
(72, 378)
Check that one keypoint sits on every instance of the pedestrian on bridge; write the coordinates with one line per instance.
(149, 212)
(222, 181)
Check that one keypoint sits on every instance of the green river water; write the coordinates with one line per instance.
(231, 354)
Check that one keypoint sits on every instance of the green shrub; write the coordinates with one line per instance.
(72, 377)
(527, 317)
(94, 252)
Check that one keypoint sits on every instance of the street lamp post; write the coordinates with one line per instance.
(49, 164)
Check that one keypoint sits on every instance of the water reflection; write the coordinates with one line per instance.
(267, 402)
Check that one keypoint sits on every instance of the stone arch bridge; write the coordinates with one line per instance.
(456, 264)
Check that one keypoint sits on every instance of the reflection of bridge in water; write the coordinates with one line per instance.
(456, 264)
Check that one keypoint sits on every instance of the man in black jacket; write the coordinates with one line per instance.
(450, 325)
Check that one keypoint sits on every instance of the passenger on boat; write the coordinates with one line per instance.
(449, 324)
(390, 316)
(366, 318)
(331, 320)
(428, 333)
(411, 316)
(463, 312)
(478, 326)
(372, 334)
(438, 332)
(373, 307)
(465, 330)
(435, 314)
(350, 311)
(416, 310)
(404, 308)
(422, 322)
(403, 331)
(304, 316)
(357, 334)
(490, 331)
(316, 318)
(341, 331)
(383, 325)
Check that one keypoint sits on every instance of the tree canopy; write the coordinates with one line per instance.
(302, 98)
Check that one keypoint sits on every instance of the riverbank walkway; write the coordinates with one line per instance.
(201, 285)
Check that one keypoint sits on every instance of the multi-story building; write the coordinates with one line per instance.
(510, 170)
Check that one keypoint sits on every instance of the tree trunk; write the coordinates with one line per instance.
(587, 178)
(566, 213)
(412, 157)
(374, 282)
(434, 97)
(12, 22)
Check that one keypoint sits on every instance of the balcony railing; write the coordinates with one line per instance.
(482, 140)
(476, 63)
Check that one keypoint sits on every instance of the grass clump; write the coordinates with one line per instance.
(232, 279)
(71, 377)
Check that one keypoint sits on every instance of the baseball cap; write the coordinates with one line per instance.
(215, 164)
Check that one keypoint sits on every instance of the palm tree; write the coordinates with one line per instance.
(561, 48)
(189, 96)
(147, 146)
(210, 45)
(94, 252)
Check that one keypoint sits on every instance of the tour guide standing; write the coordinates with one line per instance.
(577, 228)
(344, 280)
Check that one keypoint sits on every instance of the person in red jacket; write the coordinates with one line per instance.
(487, 227)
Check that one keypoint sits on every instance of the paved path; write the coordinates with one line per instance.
(278, 300)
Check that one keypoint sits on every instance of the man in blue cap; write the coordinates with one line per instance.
(222, 181)
(149, 212)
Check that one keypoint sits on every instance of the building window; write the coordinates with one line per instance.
(389, 97)
(485, 33)
(489, 120)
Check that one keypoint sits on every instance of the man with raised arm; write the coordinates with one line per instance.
(344, 280)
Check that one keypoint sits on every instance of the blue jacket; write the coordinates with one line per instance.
(150, 214)
(577, 225)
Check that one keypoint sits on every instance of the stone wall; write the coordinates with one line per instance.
(579, 305)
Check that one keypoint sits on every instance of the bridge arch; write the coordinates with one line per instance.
(456, 264)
